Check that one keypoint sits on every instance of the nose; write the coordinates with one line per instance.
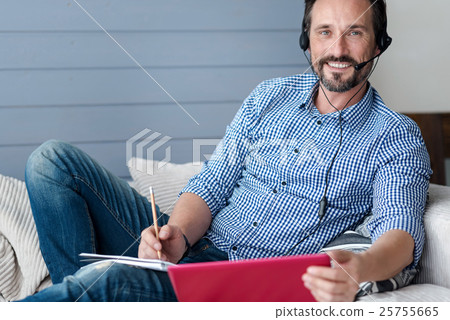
(339, 47)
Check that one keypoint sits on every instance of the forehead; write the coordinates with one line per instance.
(342, 13)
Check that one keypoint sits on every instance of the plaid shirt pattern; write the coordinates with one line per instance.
(264, 182)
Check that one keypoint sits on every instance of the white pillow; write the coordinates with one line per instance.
(167, 180)
(22, 268)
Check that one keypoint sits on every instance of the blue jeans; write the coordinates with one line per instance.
(79, 206)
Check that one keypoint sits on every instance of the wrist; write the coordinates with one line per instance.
(187, 247)
(365, 272)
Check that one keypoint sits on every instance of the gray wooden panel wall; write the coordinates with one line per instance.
(62, 77)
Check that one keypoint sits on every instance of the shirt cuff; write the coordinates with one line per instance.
(197, 188)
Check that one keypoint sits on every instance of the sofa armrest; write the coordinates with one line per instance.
(435, 261)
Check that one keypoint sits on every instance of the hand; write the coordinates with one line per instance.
(171, 244)
(337, 283)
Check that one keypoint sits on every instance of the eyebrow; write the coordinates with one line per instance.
(357, 26)
(352, 27)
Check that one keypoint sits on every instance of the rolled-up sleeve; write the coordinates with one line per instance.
(216, 181)
(401, 184)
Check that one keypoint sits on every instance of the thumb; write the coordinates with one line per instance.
(165, 232)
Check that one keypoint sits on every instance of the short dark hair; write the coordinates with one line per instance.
(378, 11)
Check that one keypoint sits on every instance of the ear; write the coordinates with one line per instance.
(378, 51)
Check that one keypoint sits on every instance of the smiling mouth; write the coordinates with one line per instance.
(338, 65)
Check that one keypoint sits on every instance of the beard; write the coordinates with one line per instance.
(336, 83)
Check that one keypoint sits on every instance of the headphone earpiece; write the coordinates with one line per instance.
(383, 39)
(304, 38)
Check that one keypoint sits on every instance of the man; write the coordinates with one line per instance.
(296, 147)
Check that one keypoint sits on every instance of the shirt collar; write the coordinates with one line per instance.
(353, 115)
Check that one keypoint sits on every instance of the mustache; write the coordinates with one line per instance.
(344, 58)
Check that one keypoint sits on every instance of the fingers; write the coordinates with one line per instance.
(331, 274)
(149, 246)
(165, 232)
(333, 281)
(336, 283)
(331, 286)
(171, 243)
(325, 296)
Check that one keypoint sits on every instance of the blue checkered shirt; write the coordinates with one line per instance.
(266, 177)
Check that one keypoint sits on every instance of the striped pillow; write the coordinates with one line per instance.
(22, 268)
(167, 180)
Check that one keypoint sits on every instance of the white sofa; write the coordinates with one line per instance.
(22, 270)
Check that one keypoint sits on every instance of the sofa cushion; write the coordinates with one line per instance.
(435, 261)
(22, 268)
(412, 293)
(167, 180)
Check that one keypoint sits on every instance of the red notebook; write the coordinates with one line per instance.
(255, 280)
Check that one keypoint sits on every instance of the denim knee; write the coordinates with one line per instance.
(39, 158)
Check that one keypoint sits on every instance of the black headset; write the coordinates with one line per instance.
(383, 39)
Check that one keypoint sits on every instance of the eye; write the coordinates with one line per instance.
(324, 33)
(355, 33)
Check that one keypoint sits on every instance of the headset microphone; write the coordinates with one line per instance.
(383, 42)
(358, 67)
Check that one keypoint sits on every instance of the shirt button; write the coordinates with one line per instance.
(319, 122)
(255, 224)
(275, 190)
(234, 248)
(283, 183)
(296, 150)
